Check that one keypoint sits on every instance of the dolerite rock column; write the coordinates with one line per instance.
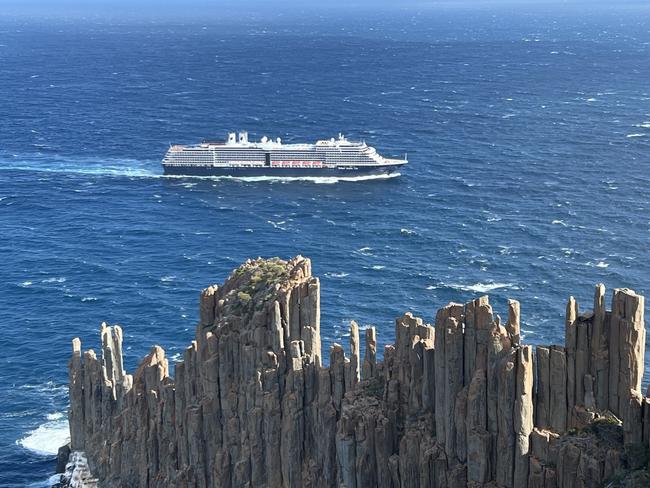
(464, 403)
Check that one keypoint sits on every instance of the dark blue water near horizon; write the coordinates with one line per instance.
(528, 140)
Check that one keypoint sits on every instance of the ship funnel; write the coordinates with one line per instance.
(278, 140)
(231, 138)
(243, 136)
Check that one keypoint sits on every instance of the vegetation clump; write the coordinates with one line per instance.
(606, 428)
(244, 297)
(374, 387)
(256, 283)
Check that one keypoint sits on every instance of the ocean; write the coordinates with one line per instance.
(528, 136)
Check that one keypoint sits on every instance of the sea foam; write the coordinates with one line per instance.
(46, 439)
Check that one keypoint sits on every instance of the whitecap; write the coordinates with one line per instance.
(364, 249)
(167, 279)
(25, 284)
(602, 264)
(408, 232)
(559, 222)
(635, 135)
(378, 267)
(89, 299)
(277, 225)
(484, 287)
(591, 99)
(337, 275)
(475, 288)
(54, 280)
(645, 125)
(46, 439)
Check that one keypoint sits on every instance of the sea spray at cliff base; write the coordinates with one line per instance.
(48, 437)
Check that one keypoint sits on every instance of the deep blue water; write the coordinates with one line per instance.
(529, 177)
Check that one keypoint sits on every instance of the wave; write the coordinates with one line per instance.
(476, 287)
(54, 280)
(635, 135)
(46, 439)
(49, 388)
(49, 483)
(505, 250)
(599, 264)
(336, 275)
(277, 225)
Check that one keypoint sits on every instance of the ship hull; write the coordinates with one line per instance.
(339, 172)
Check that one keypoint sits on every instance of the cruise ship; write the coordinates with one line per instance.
(237, 156)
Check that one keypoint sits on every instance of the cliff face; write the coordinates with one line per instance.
(463, 403)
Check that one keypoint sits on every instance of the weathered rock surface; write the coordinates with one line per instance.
(461, 403)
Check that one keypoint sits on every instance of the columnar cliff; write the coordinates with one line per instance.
(459, 403)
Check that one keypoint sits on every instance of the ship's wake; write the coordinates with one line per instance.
(93, 166)
(323, 180)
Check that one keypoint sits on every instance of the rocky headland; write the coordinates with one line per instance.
(462, 402)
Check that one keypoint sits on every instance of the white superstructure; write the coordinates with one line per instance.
(238, 152)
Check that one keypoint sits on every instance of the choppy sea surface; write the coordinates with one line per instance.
(528, 137)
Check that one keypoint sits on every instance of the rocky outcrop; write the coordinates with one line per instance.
(75, 472)
(460, 403)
